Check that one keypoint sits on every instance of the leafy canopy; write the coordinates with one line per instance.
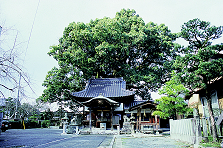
(173, 102)
(123, 46)
(200, 63)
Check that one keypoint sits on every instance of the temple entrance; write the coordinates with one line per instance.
(101, 111)
(103, 116)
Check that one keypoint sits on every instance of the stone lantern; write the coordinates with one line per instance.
(65, 123)
(132, 122)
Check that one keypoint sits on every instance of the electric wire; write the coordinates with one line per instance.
(30, 37)
(31, 29)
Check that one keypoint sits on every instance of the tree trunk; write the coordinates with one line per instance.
(210, 110)
(214, 130)
(174, 111)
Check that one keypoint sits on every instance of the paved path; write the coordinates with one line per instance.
(51, 138)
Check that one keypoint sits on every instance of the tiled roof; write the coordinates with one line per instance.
(107, 87)
(147, 104)
(100, 97)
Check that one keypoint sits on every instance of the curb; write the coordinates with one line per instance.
(112, 142)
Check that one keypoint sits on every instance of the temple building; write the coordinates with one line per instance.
(106, 101)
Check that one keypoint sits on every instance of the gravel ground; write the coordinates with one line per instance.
(52, 138)
(147, 142)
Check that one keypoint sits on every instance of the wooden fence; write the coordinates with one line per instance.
(189, 130)
(183, 130)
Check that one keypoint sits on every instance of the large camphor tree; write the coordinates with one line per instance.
(196, 66)
(123, 46)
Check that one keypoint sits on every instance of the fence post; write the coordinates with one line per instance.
(197, 129)
(205, 129)
(209, 126)
(171, 129)
(218, 130)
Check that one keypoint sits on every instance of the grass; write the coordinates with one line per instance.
(211, 144)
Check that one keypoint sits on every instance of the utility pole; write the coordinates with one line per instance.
(17, 100)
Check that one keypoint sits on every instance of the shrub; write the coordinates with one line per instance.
(16, 124)
(45, 123)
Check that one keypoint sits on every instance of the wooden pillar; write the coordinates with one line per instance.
(137, 121)
(90, 118)
(140, 119)
(111, 118)
(84, 113)
(83, 116)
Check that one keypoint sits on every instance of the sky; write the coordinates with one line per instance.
(39, 24)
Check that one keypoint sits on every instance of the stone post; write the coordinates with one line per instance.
(65, 123)
(132, 118)
(77, 130)
(156, 125)
(197, 129)
(118, 128)
(132, 131)
(205, 129)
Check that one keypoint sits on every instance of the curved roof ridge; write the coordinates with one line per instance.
(108, 87)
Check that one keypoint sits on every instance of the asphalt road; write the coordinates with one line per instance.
(50, 138)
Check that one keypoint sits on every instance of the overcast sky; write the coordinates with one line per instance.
(52, 16)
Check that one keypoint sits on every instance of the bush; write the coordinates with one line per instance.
(31, 124)
(28, 124)
(16, 124)
(45, 123)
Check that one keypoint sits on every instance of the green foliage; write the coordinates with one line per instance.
(199, 33)
(123, 46)
(46, 115)
(211, 143)
(31, 124)
(200, 64)
(34, 118)
(24, 110)
(27, 110)
(45, 123)
(173, 103)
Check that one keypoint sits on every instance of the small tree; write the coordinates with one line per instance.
(173, 102)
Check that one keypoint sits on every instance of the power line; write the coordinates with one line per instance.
(31, 34)
(31, 29)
